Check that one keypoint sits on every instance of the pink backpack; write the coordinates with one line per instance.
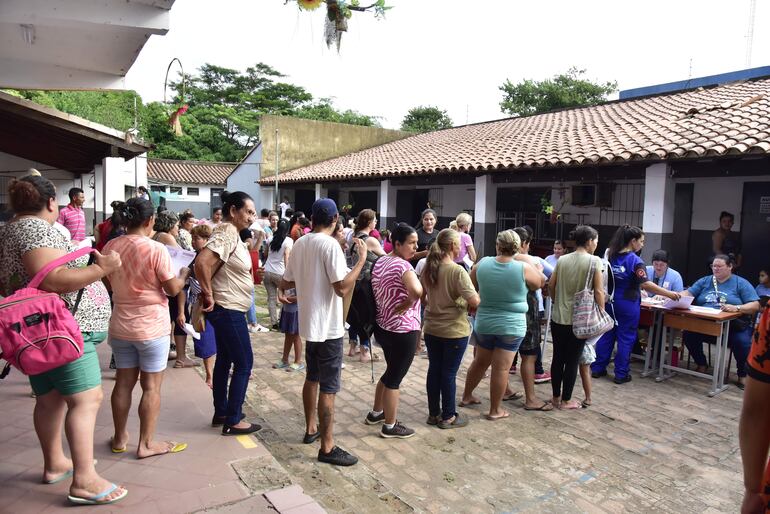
(37, 331)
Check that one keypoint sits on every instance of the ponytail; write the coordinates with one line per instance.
(440, 248)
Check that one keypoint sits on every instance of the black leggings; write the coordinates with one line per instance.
(399, 351)
(567, 350)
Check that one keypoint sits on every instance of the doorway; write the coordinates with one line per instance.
(360, 200)
(679, 252)
(410, 203)
(303, 201)
(216, 199)
(755, 229)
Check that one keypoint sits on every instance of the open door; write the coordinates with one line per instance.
(755, 229)
(409, 205)
(679, 252)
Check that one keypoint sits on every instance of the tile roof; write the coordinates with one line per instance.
(731, 119)
(189, 172)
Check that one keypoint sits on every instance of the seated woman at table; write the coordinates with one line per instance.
(661, 275)
(730, 293)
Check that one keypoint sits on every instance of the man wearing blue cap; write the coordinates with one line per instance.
(318, 271)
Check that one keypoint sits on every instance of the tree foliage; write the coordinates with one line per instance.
(222, 121)
(113, 109)
(426, 119)
(563, 91)
(323, 110)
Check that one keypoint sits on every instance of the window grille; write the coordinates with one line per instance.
(627, 206)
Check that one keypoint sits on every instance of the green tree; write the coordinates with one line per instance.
(425, 119)
(222, 121)
(111, 108)
(562, 91)
(323, 110)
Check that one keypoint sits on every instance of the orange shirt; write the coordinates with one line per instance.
(296, 231)
(141, 306)
(759, 369)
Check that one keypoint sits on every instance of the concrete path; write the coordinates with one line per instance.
(642, 447)
(208, 475)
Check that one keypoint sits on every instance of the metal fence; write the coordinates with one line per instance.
(627, 206)
(539, 221)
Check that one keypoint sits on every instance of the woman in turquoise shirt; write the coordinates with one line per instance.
(501, 323)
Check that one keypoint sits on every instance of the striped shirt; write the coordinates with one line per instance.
(74, 219)
(389, 292)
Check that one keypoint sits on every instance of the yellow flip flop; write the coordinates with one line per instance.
(117, 450)
(174, 447)
(178, 447)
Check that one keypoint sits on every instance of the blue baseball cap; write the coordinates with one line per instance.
(324, 208)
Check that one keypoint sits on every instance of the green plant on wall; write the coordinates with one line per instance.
(338, 12)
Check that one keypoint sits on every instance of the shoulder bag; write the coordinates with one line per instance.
(588, 320)
(197, 316)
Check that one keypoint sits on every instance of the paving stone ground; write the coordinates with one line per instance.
(641, 447)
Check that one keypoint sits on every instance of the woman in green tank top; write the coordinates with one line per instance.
(501, 323)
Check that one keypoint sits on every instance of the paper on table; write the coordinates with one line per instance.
(683, 303)
(179, 258)
(191, 331)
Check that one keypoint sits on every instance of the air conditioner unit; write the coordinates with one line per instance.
(592, 195)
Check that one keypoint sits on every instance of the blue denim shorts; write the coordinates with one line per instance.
(149, 356)
(490, 342)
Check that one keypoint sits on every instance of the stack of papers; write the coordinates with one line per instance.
(683, 303)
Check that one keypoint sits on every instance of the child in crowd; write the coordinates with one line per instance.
(206, 346)
(289, 325)
(763, 289)
(387, 246)
(304, 223)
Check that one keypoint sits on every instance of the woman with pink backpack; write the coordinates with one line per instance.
(71, 393)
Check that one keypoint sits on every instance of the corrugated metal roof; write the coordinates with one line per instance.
(733, 119)
(189, 172)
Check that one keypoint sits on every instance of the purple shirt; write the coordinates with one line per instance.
(389, 292)
(465, 242)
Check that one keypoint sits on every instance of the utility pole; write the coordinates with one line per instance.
(277, 200)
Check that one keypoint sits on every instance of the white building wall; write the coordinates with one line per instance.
(12, 166)
(119, 175)
(245, 177)
(714, 195)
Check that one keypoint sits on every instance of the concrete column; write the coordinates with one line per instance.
(658, 216)
(387, 205)
(320, 191)
(485, 215)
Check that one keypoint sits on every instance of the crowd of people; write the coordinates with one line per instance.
(428, 285)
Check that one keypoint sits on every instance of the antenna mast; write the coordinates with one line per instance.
(750, 32)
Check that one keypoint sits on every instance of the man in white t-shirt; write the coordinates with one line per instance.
(318, 271)
(284, 206)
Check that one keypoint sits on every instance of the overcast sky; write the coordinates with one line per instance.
(455, 54)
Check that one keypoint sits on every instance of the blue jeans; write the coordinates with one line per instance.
(353, 335)
(444, 358)
(233, 349)
(251, 315)
(625, 332)
(738, 340)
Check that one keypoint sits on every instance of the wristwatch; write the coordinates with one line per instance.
(737, 308)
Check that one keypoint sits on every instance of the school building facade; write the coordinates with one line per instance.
(669, 163)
